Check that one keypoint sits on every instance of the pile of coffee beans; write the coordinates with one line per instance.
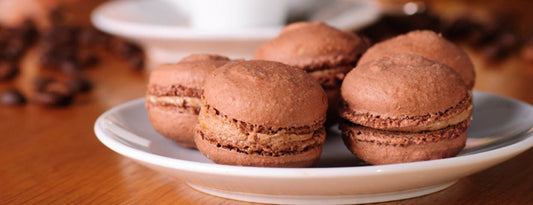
(64, 49)
(496, 40)
(70, 49)
(50, 91)
(14, 42)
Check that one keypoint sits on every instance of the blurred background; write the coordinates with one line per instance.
(73, 40)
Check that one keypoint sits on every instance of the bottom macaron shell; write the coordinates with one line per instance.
(388, 147)
(178, 127)
(221, 155)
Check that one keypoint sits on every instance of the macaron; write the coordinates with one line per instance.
(261, 113)
(404, 108)
(326, 53)
(427, 44)
(173, 98)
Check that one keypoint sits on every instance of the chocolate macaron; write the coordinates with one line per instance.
(261, 113)
(173, 98)
(324, 52)
(404, 108)
(427, 44)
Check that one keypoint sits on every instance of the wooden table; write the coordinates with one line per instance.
(51, 155)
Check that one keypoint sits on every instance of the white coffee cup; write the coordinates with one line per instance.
(220, 15)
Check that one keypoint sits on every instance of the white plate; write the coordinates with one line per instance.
(501, 129)
(163, 29)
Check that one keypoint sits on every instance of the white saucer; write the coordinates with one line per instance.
(501, 129)
(165, 33)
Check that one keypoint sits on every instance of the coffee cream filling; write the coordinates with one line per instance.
(440, 124)
(227, 132)
(179, 101)
(431, 121)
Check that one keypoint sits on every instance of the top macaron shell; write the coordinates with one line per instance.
(266, 93)
(191, 74)
(403, 86)
(429, 45)
(312, 45)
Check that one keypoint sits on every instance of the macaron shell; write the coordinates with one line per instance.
(429, 45)
(403, 85)
(173, 125)
(312, 45)
(181, 84)
(189, 74)
(267, 93)
(387, 147)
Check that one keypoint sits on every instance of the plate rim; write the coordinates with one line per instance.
(301, 173)
(142, 30)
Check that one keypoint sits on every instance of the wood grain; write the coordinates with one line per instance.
(51, 155)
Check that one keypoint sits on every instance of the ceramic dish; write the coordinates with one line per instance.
(164, 31)
(501, 129)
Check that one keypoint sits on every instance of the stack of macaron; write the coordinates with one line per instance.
(262, 113)
(408, 99)
(404, 108)
(324, 52)
(427, 44)
(173, 95)
(409, 103)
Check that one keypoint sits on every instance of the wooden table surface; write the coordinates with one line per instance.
(52, 156)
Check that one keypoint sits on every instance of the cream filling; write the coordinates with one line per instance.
(440, 124)
(175, 100)
(234, 135)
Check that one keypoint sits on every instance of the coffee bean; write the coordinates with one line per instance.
(14, 49)
(58, 87)
(62, 35)
(29, 32)
(40, 83)
(126, 49)
(137, 62)
(459, 29)
(8, 70)
(80, 84)
(48, 59)
(53, 99)
(495, 52)
(56, 16)
(70, 66)
(12, 97)
(51, 92)
(92, 37)
(88, 59)
(508, 39)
